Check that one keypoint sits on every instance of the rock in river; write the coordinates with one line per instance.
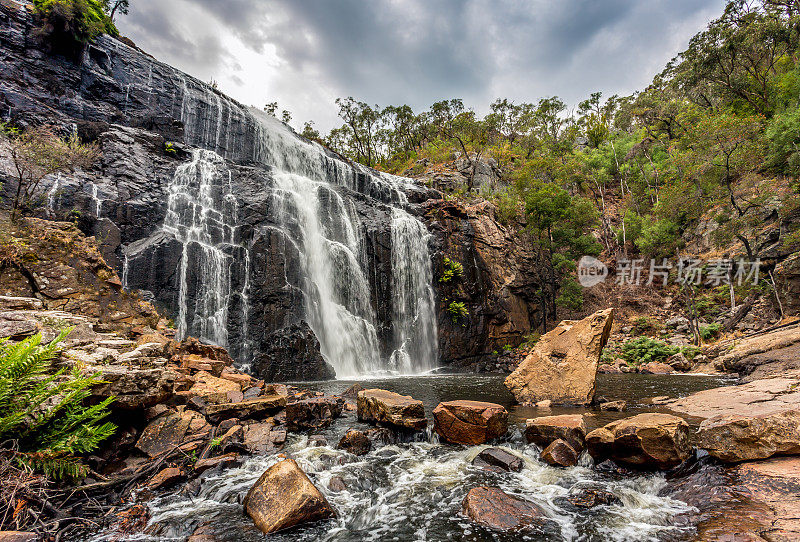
(284, 497)
(314, 413)
(470, 422)
(389, 408)
(498, 459)
(492, 508)
(647, 441)
(569, 427)
(563, 366)
(355, 442)
(745, 438)
(559, 454)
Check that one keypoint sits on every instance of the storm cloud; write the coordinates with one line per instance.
(305, 53)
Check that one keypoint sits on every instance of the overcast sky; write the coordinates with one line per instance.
(306, 53)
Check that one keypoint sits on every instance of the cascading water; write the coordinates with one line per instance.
(414, 311)
(202, 217)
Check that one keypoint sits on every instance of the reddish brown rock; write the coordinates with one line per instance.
(389, 408)
(227, 460)
(355, 442)
(498, 459)
(655, 368)
(492, 508)
(647, 441)
(18, 536)
(284, 497)
(559, 454)
(563, 366)
(165, 478)
(470, 422)
(259, 407)
(568, 427)
(163, 434)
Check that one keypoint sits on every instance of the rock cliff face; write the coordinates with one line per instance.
(243, 231)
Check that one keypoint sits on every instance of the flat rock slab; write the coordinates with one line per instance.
(498, 459)
(389, 408)
(470, 422)
(544, 430)
(253, 408)
(284, 497)
(757, 398)
(776, 482)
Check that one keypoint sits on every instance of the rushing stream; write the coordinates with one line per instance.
(413, 491)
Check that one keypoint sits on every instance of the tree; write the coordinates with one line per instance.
(68, 25)
(38, 152)
(309, 132)
(114, 6)
(359, 137)
(271, 109)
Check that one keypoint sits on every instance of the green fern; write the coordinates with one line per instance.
(42, 413)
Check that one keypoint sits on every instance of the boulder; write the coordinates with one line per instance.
(614, 406)
(284, 497)
(493, 509)
(226, 460)
(259, 407)
(133, 388)
(18, 536)
(352, 391)
(336, 484)
(315, 413)
(679, 362)
(292, 354)
(746, 438)
(392, 409)
(563, 365)
(498, 459)
(470, 422)
(655, 368)
(261, 438)
(355, 442)
(758, 398)
(559, 454)
(645, 441)
(212, 389)
(544, 430)
(163, 434)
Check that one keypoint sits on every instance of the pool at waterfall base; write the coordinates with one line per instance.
(413, 491)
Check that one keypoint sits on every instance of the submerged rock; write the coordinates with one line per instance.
(646, 441)
(470, 422)
(589, 495)
(389, 408)
(563, 365)
(499, 459)
(559, 454)
(745, 438)
(285, 497)
(492, 508)
(544, 430)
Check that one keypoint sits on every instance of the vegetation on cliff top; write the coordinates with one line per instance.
(717, 133)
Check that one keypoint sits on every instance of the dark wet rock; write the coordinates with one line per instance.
(204, 533)
(589, 495)
(292, 354)
(383, 436)
(499, 459)
(259, 407)
(559, 454)
(391, 409)
(163, 434)
(262, 438)
(313, 414)
(546, 429)
(352, 391)
(493, 509)
(284, 497)
(317, 440)
(646, 441)
(470, 422)
(355, 442)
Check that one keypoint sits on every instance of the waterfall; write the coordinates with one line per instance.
(335, 289)
(201, 215)
(52, 196)
(414, 311)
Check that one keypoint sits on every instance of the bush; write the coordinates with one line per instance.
(68, 25)
(645, 349)
(457, 311)
(783, 143)
(659, 238)
(710, 331)
(452, 270)
(42, 415)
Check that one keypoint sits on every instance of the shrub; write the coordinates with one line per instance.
(645, 349)
(457, 311)
(452, 270)
(710, 331)
(68, 25)
(659, 238)
(42, 414)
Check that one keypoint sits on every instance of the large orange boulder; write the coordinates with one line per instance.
(470, 422)
(284, 497)
(493, 509)
(391, 409)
